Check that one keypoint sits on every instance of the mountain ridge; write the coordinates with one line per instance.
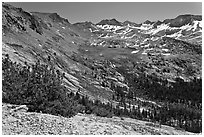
(131, 66)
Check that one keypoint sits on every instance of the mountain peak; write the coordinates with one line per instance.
(196, 17)
(157, 23)
(53, 16)
(86, 24)
(183, 20)
(148, 22)
(130, 23)
(110, 22)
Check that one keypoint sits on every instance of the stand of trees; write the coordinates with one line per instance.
(38, 86)
(41, 88)
(182, 101)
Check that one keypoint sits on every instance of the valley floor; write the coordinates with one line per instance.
(19, 122)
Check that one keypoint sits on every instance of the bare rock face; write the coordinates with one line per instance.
(110, 22)
(56, 18)
(184, 19)
(21, 21)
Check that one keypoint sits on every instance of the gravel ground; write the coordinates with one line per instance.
(16, 121)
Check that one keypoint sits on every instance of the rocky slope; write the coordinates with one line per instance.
(159, 45)
(100, 59)
(16, 121)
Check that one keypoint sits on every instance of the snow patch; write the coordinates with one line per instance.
(186, 27)
(136, 51)
(176, 35)
(145, 27)
(144, 53)
(150, 49)
(109, 27)
(127, 31)
(159, 28)
(145, 46)
(135, 46)
(145, 40)
(154, 38)
(197, 24)
(163, 45)
(102, 43)
(165, 50)
(166, 54)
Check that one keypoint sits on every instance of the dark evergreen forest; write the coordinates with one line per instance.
(40, 87)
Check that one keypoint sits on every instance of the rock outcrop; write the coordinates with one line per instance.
(31, 123)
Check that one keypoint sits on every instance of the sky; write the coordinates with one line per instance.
(137, 12)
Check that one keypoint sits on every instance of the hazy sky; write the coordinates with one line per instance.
(133, 11)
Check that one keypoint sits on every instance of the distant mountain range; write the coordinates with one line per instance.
(100, 58)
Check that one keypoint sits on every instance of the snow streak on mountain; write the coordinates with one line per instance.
(147, 66)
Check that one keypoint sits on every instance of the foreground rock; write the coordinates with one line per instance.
(29, 123)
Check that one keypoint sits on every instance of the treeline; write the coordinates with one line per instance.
(40, 87)
(162, 90)
(182, 101)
